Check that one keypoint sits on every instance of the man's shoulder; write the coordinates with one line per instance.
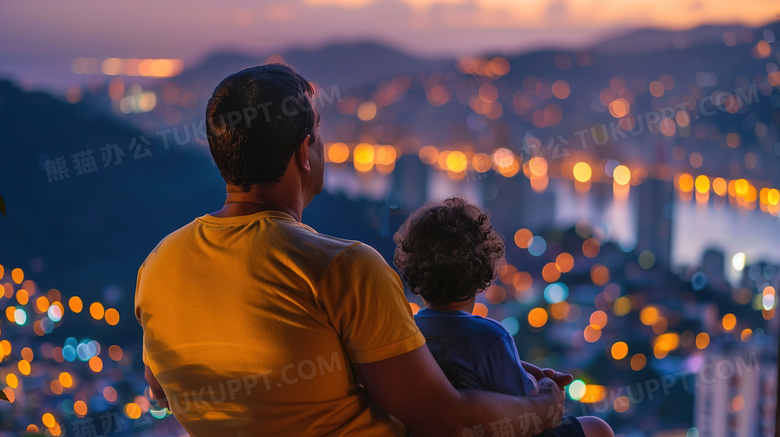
(351, 261)
(308, 246)
(323, 253)
(296, 232)
(357, 252)
(169, 239)
(303, 233)
(312, 251)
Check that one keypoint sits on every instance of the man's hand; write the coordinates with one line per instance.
(550, 388)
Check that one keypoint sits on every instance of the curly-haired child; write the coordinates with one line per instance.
(448, 252)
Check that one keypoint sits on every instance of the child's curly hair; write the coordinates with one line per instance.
(448, 252)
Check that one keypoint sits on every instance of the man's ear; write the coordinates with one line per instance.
(302, 155)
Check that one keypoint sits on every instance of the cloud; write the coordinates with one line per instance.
(187, 29)
(556, 10)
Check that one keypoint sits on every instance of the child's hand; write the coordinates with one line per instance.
(562, 379)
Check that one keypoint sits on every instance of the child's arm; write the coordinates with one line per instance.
(501, 370)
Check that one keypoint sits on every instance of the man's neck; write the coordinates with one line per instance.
(258, 199)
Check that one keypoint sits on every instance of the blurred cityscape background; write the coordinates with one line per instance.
(631, 160)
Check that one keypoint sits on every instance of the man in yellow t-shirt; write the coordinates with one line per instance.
(252, 322)
(255, 324)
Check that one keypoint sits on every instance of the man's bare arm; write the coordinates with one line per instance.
(414, 389)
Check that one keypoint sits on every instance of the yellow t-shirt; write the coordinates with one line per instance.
(251, 324)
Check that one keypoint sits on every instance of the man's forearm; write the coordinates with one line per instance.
(413, 388)
(496, 411)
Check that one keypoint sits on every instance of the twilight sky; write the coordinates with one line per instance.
(45, 35)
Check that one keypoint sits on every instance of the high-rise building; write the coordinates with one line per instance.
(515, 205)
(713, 265)
(735, 389)
(655, 210)
(410, 182)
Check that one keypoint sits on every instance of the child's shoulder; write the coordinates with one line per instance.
(489, 326)
(483, 329)
(472, 324)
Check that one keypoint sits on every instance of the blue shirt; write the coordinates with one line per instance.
(474, 352)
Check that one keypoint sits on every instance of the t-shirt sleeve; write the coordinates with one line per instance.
(501, 371)
(143, 356)
(138, 313)
(364, 300)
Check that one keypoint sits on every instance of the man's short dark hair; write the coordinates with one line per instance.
(448, 252)
(255, 120)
